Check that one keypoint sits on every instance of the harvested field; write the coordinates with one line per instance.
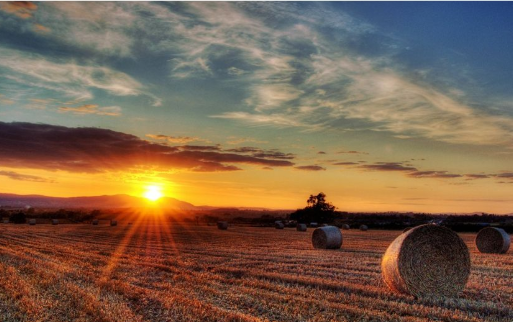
(163, 272)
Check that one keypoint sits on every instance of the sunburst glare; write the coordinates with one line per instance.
(153, 193)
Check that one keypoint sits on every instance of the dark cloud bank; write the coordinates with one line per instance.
(90, 150)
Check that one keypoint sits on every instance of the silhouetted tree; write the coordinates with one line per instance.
(317, 210)
(18, 218)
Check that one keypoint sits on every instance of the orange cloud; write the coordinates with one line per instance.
(22, 9)
(175, 139)
(5, 101)
(41, 29)
(92, 109)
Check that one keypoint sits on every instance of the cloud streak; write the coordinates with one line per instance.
(92, 109)
(21, 9)
(175, 139)
(326, 84)
(310, 168)
(23, 177)
(411, 171)
(71, 79)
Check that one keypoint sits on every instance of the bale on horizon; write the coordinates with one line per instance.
(32, 222)
(222, 225)
(95, 222)
(328, 237)
(301, 227)
(346, 227)
(55, 221)
(279, 225)
(364, 228)
(493, 240)
(6, 221)
(428, 260)
(113, 222)
(313, 224)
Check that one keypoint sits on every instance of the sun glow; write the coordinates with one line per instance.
(153, 193)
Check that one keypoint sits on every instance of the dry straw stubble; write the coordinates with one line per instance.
(328, 237)
(427, 260)
(493, 240)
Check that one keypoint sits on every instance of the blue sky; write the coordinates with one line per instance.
(413, 96)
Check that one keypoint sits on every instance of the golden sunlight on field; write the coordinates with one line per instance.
(149, 271)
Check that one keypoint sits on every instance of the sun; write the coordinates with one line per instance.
(152, 193)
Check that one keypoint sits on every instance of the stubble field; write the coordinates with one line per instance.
(153, 271)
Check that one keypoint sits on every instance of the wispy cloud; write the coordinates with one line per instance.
(176, 139)
(295, 65)
(345, 163)
(351, 152)
(433, 174)
(260, 153)
(41, 29)
(387, 166)
(72, 79)
(310, 168)
(92, 109)
(21, 9)
(326, 83)
(411, 171)
(234, 140)
(5, 101)
(23, 177)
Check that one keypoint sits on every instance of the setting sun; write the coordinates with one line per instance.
(152, 193)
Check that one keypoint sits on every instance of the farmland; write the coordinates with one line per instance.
(156, 271)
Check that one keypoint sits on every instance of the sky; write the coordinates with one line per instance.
(383, 106)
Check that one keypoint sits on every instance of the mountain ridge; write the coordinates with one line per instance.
(102, 201)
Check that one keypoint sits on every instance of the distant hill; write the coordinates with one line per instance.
(114, 201)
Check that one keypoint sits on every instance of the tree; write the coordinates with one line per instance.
(18, 218)
(319, 203)
(317, 210)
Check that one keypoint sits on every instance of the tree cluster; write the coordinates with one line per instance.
(317, 210)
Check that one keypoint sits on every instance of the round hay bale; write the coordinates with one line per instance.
(6, 221)
(279, 225)
(364, 228)
(493, 240)
(95, 222)
(427, 260)
(55, 221)
(32, 222)
(406, 229)
(113, 222)
(222, 225)
(313, 224)
(346, 227)
(328, 237)
(301, 227)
